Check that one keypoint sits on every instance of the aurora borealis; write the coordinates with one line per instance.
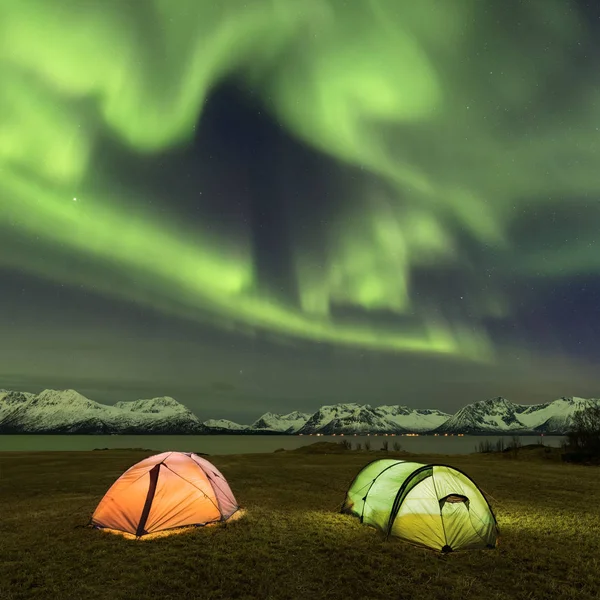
(207, 196)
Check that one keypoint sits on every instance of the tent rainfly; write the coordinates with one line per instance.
(434, 506)
(165, 491)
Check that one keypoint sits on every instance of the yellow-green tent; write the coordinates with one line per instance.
(435, 506)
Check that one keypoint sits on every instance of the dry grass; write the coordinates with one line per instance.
(291, 543)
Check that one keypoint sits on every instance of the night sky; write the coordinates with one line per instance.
(278, 204)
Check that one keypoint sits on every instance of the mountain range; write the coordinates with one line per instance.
(67, 411)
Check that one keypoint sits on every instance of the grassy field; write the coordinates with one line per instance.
(292, 543)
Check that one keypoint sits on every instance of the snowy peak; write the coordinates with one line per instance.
(289, 423)
(395, 410)
(13, 399)
(341, 418)
(413, 420)
(498, 415)
(65, 399)
(494, 414)
(224, 424)
(68, 411)
(554, 417)
(153, 405)
(357, 418)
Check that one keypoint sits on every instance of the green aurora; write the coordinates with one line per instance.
(444, 104)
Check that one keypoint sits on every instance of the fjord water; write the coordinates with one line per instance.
(246, 444)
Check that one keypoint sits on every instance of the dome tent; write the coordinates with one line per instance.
(435, 506)
(165, 491)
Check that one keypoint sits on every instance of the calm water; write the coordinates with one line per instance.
(238, 444)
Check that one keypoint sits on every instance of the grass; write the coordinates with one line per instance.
(292, 543)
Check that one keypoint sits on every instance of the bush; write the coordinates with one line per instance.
(385, 445)
(485, 447)
(367, 445)
(488, 446)
(583, 438)
(512, 450)
(346, 444)
(397, 447)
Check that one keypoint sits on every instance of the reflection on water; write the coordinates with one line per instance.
(245, 444)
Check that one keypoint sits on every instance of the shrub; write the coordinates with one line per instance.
(583, 438)
(487, 446)
(484, 447)
(512, 449)
(385, 445)
(367, 445)
(346, 444)
(397, 447)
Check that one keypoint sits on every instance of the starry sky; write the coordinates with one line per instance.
(274, 205)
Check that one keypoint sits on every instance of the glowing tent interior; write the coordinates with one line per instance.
(165, 491)
(434, 506)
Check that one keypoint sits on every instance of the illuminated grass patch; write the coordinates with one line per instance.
(292, 542)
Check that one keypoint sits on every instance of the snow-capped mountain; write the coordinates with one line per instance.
(499, 416)
(290, 423)
(414, 420)
(553, 417)
(495, 414)
(67, 411)
(224, 426)
(358, 418)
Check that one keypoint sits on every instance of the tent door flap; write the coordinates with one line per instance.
(454, 499)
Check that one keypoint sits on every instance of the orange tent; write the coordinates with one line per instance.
(172, 489)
